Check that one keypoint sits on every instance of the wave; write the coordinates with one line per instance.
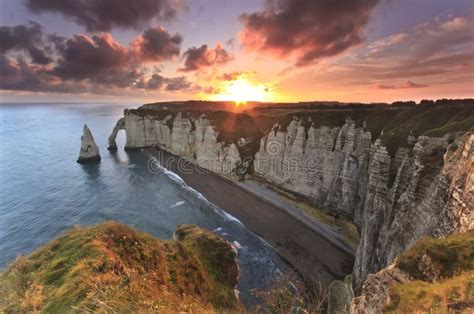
(176, 179)
(236, 245)
(202, 201)
(177, 204)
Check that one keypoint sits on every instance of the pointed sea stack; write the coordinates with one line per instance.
(89, 150)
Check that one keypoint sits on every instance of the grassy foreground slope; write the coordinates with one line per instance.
(443, 277)
(113, 268)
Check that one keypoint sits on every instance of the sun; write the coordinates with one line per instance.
(241, 91)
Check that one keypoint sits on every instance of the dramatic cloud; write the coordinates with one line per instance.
(436, 38)
(21, 76)
(430, 58)
(98, 59)
(15, 75)
(82, 64)
(306, 30)
(28, 38)
(156, 44)
(155, 82)
(178, 83)
(103, 15)
(430, 49)
(158, 82)
(408, 84)
(202, 57)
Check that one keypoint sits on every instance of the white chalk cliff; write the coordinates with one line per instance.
(186, 136)
(89, 150)
(425, 188)
(325, 165)
(339, 169)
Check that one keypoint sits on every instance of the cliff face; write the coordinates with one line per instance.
(426, 188)
(325, 165)
(186, 135)
(458, 175)
(395, 186)
(432, 195)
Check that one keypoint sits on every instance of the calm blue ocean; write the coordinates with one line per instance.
(43, 191)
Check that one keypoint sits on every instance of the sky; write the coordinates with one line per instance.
(264, 50)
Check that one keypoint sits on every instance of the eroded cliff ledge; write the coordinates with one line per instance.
(432, 195)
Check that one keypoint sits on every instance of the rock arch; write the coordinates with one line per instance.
(120, 125)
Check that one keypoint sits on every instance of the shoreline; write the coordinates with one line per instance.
(273, 195)
(304, 247)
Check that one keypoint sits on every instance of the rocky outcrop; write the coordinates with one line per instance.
(432, 195)
(89, 150)
(120, 125)
(195, 138)
(458, 174)
(432, 276)
(375, 293)
(340, 296)
(424, 189)
(322, 163)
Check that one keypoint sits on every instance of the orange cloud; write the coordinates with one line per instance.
(306, 30)
(156, 44)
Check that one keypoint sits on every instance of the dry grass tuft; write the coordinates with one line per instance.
(443, 273)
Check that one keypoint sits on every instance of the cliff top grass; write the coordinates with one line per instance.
(453, 295)
(392, 124)
(445, 282)
(448, 256)
(113, 268)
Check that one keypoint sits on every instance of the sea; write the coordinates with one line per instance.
(44, 191)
